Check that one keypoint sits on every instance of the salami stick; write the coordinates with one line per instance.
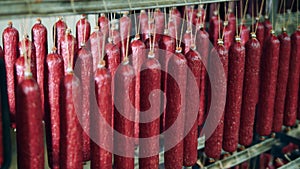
(125, 28)
(269, 72)
(10, 39)
(175, 105)
(26, 48)
(101, 158)
(282, 79)
(83, 30)
(137, 58)
(268, 27)
(103, 24)
(250, 90)
(96, 42)
(236, 62)
(150, 80)
(167, 45)
(203, 47)
(190, 150)
(30, 145)
(214, 24)
(59, 29)
(159, 20)
(292, 99)
(71, 155)
(39, 40)
(68, 42)
(124, 88)
(85, 76)
(54, 77)
(213, 145)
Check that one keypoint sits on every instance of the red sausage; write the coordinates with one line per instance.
(231, 21)
(83, 30)
(20, 69)
(10, 39)
(143, 21)
(213, 30)
(260, 32)
(150, 80)
(269, 71)
(124, 88)
(176, 66)
(103, 24)
(250, 90)
(245, 32)
(291, 101)
(137, 58)
(112, 57)
(39, 40)
(268, 27)
(213, 145)
(228, 35)
(172, 28)
(200, 16)
(85, 76)
(54, 76)
(70, 131)
(96, 40)
(125, 29)
(187, 40)
(30, 139)
(26, 45)
(203, 45)
(60, 28)
(176, 17)
(100, 158)
(68, 48)
(190, 150)
(167, 46)
(159, 23)
(116, 39)
(236, 63)
(282, 78)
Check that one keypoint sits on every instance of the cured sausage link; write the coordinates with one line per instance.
(291, 101)
(54, 77)
(213, 145)
(190, 150)
(250, 90)
(30, 139)
(236, 63)
(10, 39)
(282, 78)
(101, 158)
(39, 40)
(71, 156)
(269, 71)
(124, 87)
(150, 80)
(175, 106)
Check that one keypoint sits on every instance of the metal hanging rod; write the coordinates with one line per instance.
(39, 8)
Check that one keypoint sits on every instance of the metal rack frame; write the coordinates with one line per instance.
(39, 8)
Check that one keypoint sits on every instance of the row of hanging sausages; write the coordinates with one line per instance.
(260, 70)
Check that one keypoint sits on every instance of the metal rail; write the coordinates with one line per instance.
(39, 8)
(292, 164)
(244, 155)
